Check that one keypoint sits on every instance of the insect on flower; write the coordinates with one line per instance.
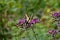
(27, 21)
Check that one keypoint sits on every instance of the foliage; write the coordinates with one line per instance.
(12, 10)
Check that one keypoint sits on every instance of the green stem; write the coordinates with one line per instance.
(34, 33)
(28, 34)
(54, 37)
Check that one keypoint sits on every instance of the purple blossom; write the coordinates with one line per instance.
(33, 21)
(21, 21)
(58, 24)
(57, 14)
(52, 32)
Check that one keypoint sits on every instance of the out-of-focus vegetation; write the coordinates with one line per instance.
(12, 10)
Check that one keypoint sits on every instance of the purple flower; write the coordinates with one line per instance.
(22, 21)
(33, 21)
(57, 14)
(58, 24)
(53, 32)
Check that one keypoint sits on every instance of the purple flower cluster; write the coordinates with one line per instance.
(56, 14)
(28, 24)
(52, 32)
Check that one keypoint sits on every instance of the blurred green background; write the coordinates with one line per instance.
(12, 10)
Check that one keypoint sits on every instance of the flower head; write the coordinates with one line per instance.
(56, 14)
(53, 32)
(21, 21)
(33, 21)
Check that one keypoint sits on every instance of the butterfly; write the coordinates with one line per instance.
(27, 20)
